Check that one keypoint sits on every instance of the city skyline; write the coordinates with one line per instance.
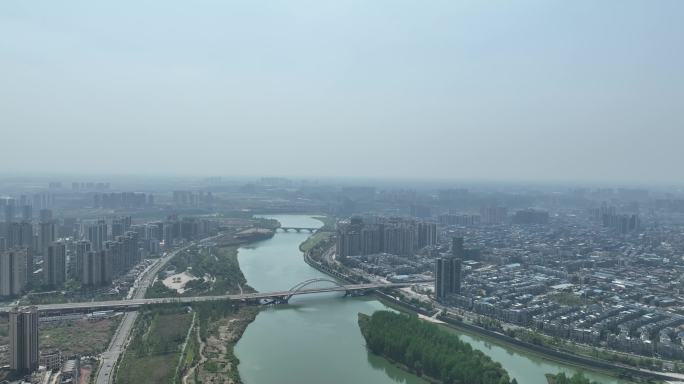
(601, 267)
(319, 191)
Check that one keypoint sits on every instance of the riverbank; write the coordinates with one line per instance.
(211, 357)
(557, 356)
(214, 359)
(364, 321)
(428, 351)
(201, 350)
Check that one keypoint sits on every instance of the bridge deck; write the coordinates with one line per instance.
(122, 304)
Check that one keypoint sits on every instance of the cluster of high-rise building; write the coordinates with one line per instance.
(94, 254)
(19, 243)
(83, 186)
(420, 210)
(530, 216)
(373, 235)
(174, 229)
(123, 200)
(25, 205)
(493, 215)
(192, 198)
(458, 219)
(621, 223)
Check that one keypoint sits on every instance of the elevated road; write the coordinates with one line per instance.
(110, 357)
(245, 297)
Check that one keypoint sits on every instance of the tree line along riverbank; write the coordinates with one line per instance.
(425, 350)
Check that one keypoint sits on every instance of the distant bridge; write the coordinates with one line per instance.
(298, 229)
(320, 285)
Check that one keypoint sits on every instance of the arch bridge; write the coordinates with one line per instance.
(311, 286)
(298, 229)
(318, 285)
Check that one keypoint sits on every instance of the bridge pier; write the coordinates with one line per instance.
(361, 292)
(278, 300)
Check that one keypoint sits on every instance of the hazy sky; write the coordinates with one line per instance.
(588, 90)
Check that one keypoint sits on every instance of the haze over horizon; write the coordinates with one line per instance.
(533, 90)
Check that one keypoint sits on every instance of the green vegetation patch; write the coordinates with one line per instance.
(154, 350)
(150, 369)
(329, 223)
(561, 378)
(220, 264)
(78, 337)
(425, 349)
(314, 240)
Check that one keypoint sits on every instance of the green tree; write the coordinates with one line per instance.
(428, 350)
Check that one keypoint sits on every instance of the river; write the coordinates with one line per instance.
(317, 340)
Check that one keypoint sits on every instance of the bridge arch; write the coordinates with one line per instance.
(300, 286)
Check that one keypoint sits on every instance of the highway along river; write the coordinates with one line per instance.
(315, 339)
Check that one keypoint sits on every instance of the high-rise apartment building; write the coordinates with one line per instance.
(54, 265)
(427, 234)
(120, 226)
(97, 235)
(10, 210)
(19, 235)
(26, 212)
(23, 335)
(13, 271)
(45, 215)
(48, 235)
(447, 277)
(457, 248)
(493, 215)
(448, 271)
(82, 249)
(396, 236)
(26, 234)
(13, 234)
(96, 269)
(530, 216)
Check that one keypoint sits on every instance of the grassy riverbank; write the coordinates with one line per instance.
(329, 223)
(314, 240)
